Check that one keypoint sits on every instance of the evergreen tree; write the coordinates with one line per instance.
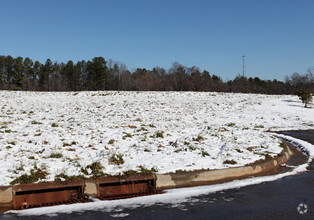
(9, 70)
(18, 73)
(97, 73)
(305, 96)
(45, 73)
(28, 67)
(81, 67)
(2, 71)
(72, 75)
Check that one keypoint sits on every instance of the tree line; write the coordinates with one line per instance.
(98, 74)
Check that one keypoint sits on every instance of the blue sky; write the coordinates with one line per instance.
(277, 36)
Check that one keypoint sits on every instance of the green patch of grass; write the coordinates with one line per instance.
(231, 124)
(239, 151)
(111, 141)
(186, 143)
(36, 123)
(116, 159)
(230, 162)
(40, 152)
(67, 144)
(284, 148)
(204, 153)
(68, 178)
(55, 155)
(178, 150)
(267, 156)
(20, 168)
(127, 136)
(130, 172)
(159, 134)
(191, 148)
(258, 126)
(96, 170)
(145, 170)
(198, 138)
(282, 145)
(36, 174)
(142, 129)
(141, 170)
(54, 125)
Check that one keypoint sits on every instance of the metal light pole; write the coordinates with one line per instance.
(243, 56)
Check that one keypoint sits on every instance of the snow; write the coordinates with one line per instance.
(165, 130)
(305, 146)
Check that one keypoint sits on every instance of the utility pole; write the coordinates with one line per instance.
(243, 73)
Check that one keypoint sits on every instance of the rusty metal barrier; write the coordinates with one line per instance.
(56, 193)
(121, 187)
(48, 194)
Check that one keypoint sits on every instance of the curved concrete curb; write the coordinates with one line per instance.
(205, 177)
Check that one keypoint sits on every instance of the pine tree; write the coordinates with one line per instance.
(305, 96)
(97, 73)
(18, 73)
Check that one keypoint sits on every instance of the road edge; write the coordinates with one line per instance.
(181, 179)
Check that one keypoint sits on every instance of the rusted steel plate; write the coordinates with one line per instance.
(42, 198)
(47, 194)
(125, 186)
(118, 189)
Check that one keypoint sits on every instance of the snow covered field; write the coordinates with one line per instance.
(173, 197)
(65, 133)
